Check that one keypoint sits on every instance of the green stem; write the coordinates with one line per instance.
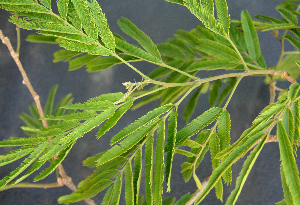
(30, 185)
(257, 67)
(282, 50)
(150, 92)
(235, 86)
(133, 68)
(179, 71)
(197, 84)
(18, 38)
(237, 51)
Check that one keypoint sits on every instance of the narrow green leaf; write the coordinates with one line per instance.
(214, 64)
(108, 196)
(91, 192)
(135, 51)
(207, 17)
(41, 39)
(184, 152)
(128, 143)
(289, 16)
(15, 155)
(103, 28)
(170, 50)
(222, 13)
(149, 170)
(191, 143)
(107, 62)
(55, 164)
(149, 117)
(26, 163)
(296, 114)
(288, 163)
(172, 130)
(46, 3)
(169, 201)
(248, 164)
(282, 202)
(218, 50)
(293, 41)
(183, 199)
(88, 125)
(138, 165)
(276, 26)
(20, 141)
(129, 192)
(159, 164)
(64, 55)
(62, 6)
(33, 7)
(223, 129)
(88, 23)
(221, 169)
(30, 122)
(250, 36)
(189, 53)
(132, 30)
(286, 191)
(181, 2)
(270, 18)
(197, 181)
(50, 100)
(77, 63)
(185, 166)
(82, 47)
(288, 123)
(114, 118)
(197, 124)
(214, 144)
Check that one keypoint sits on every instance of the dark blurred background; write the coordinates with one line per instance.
(159, 20)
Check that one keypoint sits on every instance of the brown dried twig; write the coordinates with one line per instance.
(64, 179)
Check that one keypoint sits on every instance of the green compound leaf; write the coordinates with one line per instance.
(233, 156)
(248, 164)
(135, 51)
(129, 192)
(26, 163)
(218, 50)
(251, 37)
(18, 141)
(62, 6)
(289, 165)
(170, 150)
(159, 164)
(117, 190)
(170, 50)
(15, 155)
(103, 28)
(222, 13)
(149, 170)
(293, 41)
(289, 16)
(138, 166)
(130, 29)
(287, 194)
(149, 117)
(132, 140)
(197, 124)
(114, 118)
(55, 164)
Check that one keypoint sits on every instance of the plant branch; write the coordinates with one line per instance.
(64, 179)
(198, 192)
(31, 185)
(26, 81)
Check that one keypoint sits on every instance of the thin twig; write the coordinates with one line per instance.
(64, 179)
(272, 92)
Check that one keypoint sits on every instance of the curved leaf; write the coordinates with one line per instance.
(197, 124)
(130, 29)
